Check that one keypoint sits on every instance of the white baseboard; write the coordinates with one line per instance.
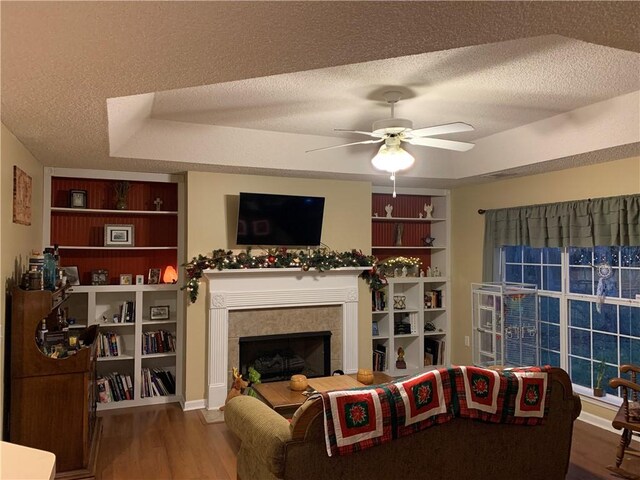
(597, 421)
(193, 405)
(600, 422)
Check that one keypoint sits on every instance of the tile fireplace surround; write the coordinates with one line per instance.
(254, 289)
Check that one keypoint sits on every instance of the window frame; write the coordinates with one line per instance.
(565, 297)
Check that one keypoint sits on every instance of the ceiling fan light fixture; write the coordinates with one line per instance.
(392, 158)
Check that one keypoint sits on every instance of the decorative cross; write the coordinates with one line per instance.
(158, 203)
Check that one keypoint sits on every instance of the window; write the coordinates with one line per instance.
(588, 310)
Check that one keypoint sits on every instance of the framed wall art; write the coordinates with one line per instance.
(159, 312)
(78, 198)
(119, 235)
(22, 186)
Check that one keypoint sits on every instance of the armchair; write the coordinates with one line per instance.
(628, 417)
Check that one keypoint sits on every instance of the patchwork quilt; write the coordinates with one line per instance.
(358, 419)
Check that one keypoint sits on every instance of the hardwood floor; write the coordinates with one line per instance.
(592, 450)
(165, 443)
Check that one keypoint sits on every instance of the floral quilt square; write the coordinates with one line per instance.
(481, 388)
(423, 396)
(531, 396)
(356, 419)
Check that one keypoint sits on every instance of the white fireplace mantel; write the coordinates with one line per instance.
(273, 288)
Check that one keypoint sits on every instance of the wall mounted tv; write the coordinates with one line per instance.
(279, 220)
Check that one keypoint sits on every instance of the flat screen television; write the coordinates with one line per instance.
(279, 220)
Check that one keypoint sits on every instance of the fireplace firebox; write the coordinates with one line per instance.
(277, 357)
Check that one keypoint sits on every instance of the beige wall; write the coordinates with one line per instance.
(603, 180)
(346, 226)
(16, 241)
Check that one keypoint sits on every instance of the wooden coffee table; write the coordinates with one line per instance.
(285, 401)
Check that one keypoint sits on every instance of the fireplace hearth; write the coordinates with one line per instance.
(277, 357)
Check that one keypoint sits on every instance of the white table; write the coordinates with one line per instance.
(24, 463)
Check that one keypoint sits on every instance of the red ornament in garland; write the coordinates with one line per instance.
(271, 259)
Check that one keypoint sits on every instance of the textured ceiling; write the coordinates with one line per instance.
(304, 68)
(494, 87)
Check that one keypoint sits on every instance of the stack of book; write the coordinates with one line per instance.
(405, 323)
(109, 344)
(114, 387)
(380, 358)
(127, 313)
(157, 382)
(157, 342)
(433, 351)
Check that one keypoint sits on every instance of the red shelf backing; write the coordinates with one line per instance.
(86, 229)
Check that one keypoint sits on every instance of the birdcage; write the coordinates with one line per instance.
(506, 331)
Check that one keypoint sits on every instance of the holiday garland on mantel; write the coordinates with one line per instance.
(320, 260)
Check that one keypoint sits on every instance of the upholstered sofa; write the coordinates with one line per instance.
(273, 447)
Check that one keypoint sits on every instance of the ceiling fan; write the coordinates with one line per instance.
(393, 131)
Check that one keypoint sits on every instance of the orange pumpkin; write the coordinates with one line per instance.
(365, 376)
(298, 383)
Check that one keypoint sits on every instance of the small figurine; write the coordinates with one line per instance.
(375, 214)
(400, 363)
(428, 241)
(421, 273)
(388, 208)
(158, 203)
(429, 271)
(404, 271)
(420, 215)
(237, 388)
(429, 210)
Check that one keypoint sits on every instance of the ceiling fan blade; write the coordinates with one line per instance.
(345, 145)
(371, 134)
(440, 143)
(442, 129)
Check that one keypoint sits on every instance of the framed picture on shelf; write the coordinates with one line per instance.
(374, 329)
(73, 277)
(119, 235)
(154, 276)
(99, 277)
(126, 279)
(159, 312)
(78, 198)
(139, 279)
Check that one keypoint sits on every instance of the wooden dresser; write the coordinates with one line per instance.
(52, 402)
